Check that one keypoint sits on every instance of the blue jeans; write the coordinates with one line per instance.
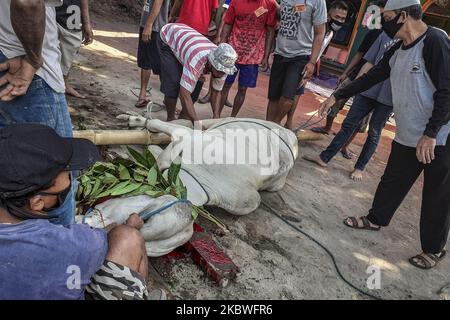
(42, 105)
(361, 107)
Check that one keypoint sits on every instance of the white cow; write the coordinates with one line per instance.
(229, 162)
(163, 231)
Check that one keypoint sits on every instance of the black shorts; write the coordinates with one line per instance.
(171, 72)
(148, 55)
(285, 76)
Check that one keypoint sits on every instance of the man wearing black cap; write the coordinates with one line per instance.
(40, 260)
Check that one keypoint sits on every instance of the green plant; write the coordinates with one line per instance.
(132, 177)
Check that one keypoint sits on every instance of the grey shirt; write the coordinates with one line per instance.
(420, 80)
(382, 91)
(11, 46)
(162, 18)
(298, 18)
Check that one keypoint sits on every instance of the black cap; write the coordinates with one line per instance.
(32, 156)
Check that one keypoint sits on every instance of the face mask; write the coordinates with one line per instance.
(335, 25)
(62, 196)
(391, 28)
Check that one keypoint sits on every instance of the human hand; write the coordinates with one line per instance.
(326, 105)
(425, 149)
(135, 221)
(18, 77)
(88, 34)
(147, 33)
(307, 73)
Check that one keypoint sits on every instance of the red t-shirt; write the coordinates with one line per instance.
(197, 14)
(250, 18)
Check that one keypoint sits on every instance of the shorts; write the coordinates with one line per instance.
(148, 55)
(285, 76)
(116, 282)
(171, 72)
(248, 74)
(69, 45)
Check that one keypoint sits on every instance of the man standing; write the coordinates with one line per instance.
(300, 38)
(420, 77)
(378, 100)
(249, 28)
(155, 15)
(337, 14)
(74, 29)
(350, 73)
(31, 81)
(185, 56)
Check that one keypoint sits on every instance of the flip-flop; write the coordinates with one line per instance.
(365, 221)
(347, 155)
(142, 103)
(429, 260)
(320, 130)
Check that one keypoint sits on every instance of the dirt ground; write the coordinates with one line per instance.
(276, 262)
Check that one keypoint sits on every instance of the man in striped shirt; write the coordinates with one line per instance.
(186, 56)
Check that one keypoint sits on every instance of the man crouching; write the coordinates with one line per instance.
(40, 260)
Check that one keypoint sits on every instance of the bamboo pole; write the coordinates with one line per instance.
(144, 137)
(122, 137)
(308, 135)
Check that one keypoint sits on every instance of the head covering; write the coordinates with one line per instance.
(223, 58)
(400, 4)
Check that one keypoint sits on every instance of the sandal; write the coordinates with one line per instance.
(365, 221)
(427, 260)
(142, 103)
(347, 154)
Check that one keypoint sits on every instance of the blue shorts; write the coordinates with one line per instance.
(248, 74)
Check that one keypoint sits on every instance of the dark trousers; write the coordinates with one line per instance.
(401, 172)
(171, 73)
(360, 108)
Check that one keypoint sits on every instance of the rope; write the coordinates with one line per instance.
(145, 214)
(307, 123)
(333, 259)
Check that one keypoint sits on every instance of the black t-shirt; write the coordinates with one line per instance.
(366, 44)
(69, 15)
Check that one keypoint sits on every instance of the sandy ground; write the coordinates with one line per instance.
(276, 261)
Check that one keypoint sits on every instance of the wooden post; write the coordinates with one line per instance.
(123, 137)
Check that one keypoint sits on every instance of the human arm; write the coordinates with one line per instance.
(187, 104)
(148, 28)
(175, 11)
(319, 35)
(353, 63)
(30, 32)
(436, 54)
(86, 26)
(270, 36)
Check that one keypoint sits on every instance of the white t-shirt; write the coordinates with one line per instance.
(11, 46)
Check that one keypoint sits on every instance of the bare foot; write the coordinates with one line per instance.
(74, 93)
(316, 159)
(356, 175)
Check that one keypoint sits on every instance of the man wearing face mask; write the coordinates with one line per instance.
(420, 78)
(337, 14)
(40, 260)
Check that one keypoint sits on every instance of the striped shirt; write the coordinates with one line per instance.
(192, 50)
